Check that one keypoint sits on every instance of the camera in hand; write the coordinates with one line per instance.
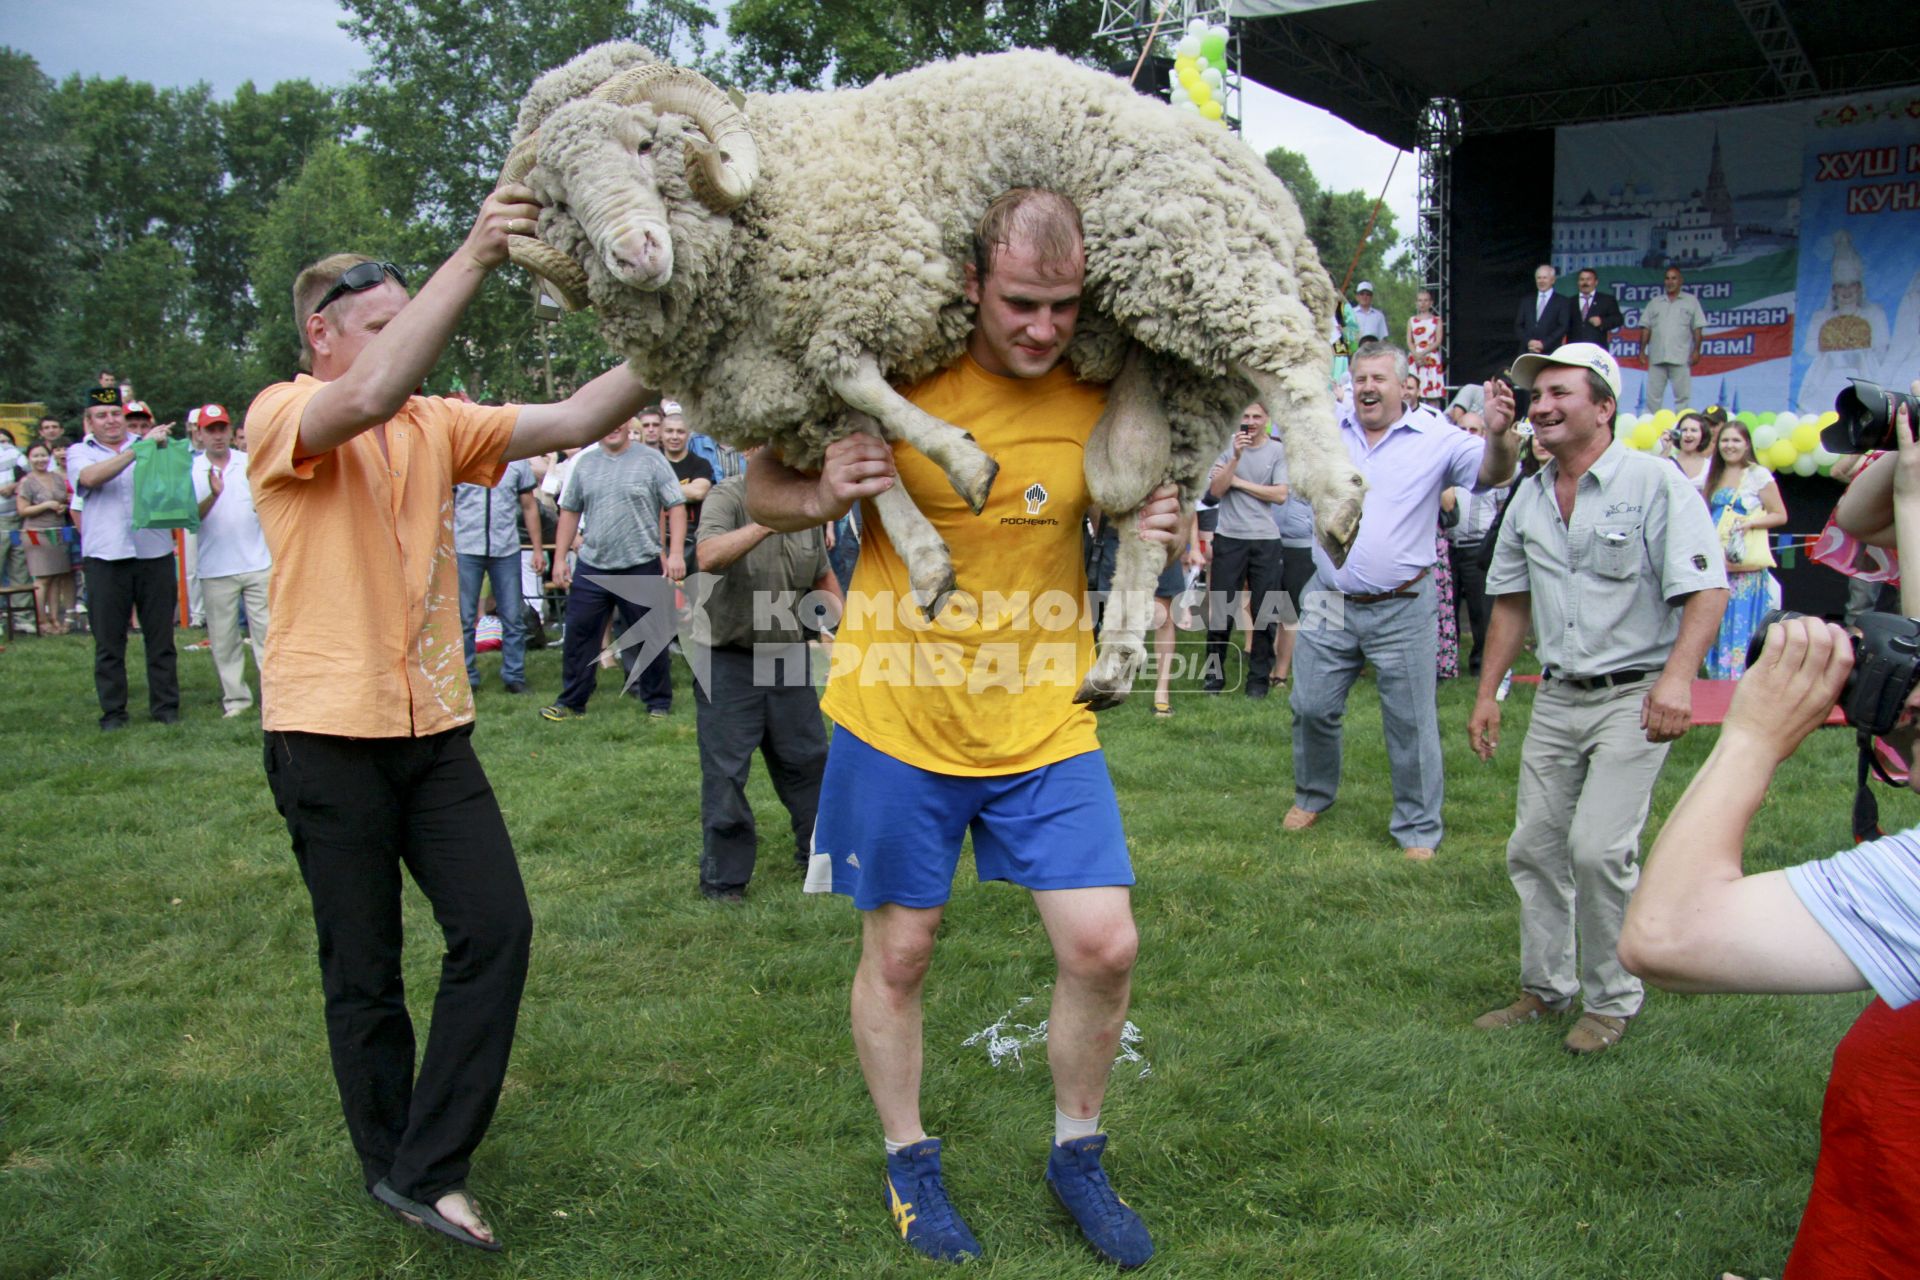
(1886, 667)
(1866, 412)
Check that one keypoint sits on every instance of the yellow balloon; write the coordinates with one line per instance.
(1663, 420)
(1806, 437)
(1782, 455)
(1202, 94)
(1185, 64)
(1828, 418)
(1211, 109)
(1645, 434)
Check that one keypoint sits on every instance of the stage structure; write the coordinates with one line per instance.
(1483, 89)
(1131, 22)
(1770, 149)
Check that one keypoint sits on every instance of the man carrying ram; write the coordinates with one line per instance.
(971, 724)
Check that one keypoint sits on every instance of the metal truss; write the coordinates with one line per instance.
(1295, 45)
(1778, 41)
(1433, 236)
(1875, 69)
(1129, 22)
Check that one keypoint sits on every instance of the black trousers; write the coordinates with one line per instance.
(358, 808)
(589, 605)
(773, 710)
(1470, 589)
(116, 590)
(1256, 563)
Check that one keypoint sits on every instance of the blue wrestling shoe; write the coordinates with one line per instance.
(917, 1199)
(1115, 1231)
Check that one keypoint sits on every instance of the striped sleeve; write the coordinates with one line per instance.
(1867, 898)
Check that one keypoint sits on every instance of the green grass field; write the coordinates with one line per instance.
(684, 1099)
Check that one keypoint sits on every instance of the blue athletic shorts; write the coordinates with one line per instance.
(891, 832)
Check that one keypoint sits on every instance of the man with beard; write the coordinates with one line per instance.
(1380, 606)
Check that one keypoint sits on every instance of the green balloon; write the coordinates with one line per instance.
(1213, 47)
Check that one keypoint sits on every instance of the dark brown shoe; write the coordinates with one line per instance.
(1528, 1008)
(1595, 1033)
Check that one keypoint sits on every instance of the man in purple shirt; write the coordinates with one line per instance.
(1380, 607)
(127, 569)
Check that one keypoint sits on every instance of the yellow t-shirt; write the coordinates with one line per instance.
(987, 688)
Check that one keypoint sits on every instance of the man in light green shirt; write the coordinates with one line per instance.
(1672, 324)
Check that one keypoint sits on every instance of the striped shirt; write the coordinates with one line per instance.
(1868, 899)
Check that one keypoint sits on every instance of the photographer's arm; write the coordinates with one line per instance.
(1697, 921)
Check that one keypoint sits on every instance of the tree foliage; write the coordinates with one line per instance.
(809, 44)
(39, 169)
(1336, 221)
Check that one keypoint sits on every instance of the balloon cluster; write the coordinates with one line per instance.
(1199, 79)
(1781, 441)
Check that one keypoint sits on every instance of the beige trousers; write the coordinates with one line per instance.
(1586, 781)
(223, 597)
(1659, 375)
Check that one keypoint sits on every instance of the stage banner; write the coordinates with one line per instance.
(1859, 248)
(1732, 199)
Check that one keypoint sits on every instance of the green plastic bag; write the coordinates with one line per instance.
(163, 486)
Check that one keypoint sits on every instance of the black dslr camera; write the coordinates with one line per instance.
(1886, 667)
(1866, 412)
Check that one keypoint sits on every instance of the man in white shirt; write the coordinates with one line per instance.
(1367, 318)
(233, 557)
(128, 570)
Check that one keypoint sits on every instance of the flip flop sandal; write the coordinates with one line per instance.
(429, 1217)
(1163, 710)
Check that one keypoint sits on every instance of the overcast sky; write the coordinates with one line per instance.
(226, 42)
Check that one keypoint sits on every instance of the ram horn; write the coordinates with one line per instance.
(521, 159)
(560, 274)
(724, 176)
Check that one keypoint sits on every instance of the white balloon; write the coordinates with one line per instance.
(1786, 421)
(1214, 79)
(1189, 46)
(1190, 105)
(1180, 95)
(1222, 32)
(1624, 423)
(1197, 28)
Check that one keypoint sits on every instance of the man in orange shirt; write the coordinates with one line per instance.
(971, 724)
(366, 706)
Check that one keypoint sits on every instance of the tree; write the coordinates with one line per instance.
(808, 44)
(38, 191)
(136, 314)
(1336, 220)
(265, 139)
(331, 206)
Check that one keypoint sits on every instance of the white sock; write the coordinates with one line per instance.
(894, 1148)
(1066, 1128)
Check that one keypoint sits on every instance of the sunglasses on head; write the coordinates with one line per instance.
(358, 279)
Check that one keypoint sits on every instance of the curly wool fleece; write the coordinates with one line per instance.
(854, 238)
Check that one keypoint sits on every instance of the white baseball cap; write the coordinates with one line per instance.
(669, 408)
(1365, 286)
(1575, 355)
